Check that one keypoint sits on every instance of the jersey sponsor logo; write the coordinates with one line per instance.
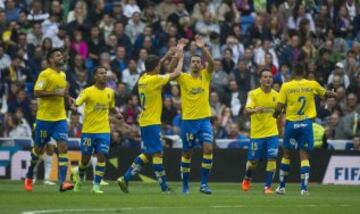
(100, 107)
(195, 91)
(299, 90)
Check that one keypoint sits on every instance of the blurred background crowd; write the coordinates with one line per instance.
(244, 36)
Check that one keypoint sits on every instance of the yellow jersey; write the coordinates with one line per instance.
(195, 95)
(51, 108)
(97, 105)
(298, 95)
(262, 124)
(150, 88)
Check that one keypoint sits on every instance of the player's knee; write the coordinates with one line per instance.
(50, 150)
(187, 154)
(252, 164)
(62, 147)
(100, 157)
(38, 151)
(207, 149)
(158, 155)
(304, 155)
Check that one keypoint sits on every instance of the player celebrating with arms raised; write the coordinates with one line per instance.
(298, 98)
(264, 134)
(51, 90)
(150, 87)
(95, 138)
(196, 116)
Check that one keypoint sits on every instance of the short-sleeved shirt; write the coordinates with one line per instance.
(195, 95)
(150, 88)
(262, 124)
(298, 95)
(97, 106)
(51, 108)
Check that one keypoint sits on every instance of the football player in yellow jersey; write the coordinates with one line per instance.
(95, 138)
(51, 91)
(298, 96)
(150, 87)
(260, 105)
(196, 114)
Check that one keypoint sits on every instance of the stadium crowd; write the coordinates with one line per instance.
(244, 36)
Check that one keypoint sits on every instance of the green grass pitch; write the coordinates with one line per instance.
(146, 198)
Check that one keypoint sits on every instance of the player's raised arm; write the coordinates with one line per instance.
(168, 55)
(200, 43)
(180, 58)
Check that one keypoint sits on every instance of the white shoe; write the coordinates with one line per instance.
(103, 183)
(280, 190)
(48, 182)
(304, 192)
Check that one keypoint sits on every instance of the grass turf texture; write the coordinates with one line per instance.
(146, 198)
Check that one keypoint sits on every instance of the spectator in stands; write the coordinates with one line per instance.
(5, 60)
(335, 130)
(351, 125)
(242, 76)
(14, 127)
(227, 62)
(131, 74)
(352, 103)
(215, 104)
(235, 99)
(75, 126)
(356, 143)
(219, 131)
(12, 12)
(220, 79)
(168, 114)
(134, 27)
(96, 45)
(339, 71)
(36, 13)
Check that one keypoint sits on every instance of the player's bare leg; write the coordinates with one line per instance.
(284, 171)
(206, 166)
(63, 165)
(304, 172)
(185, 169)
(36, 152)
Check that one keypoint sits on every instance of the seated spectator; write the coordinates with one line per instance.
(339, 71)
(75, 126)
(135, 27)
(356, 143)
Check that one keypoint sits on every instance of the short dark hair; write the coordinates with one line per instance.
(97, 68)
(264, 70)
(51, 53)
(151, 62)
(195, 55)
(299, 69)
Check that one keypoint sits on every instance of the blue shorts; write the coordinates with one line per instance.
(299, 135)
(195, 129)
(95, 143)
(266, 147)
(44, 130)
(150, 136)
